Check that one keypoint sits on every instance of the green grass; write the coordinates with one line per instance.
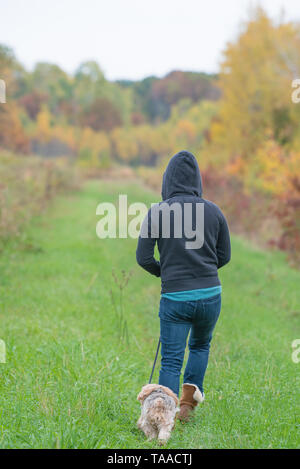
(70, 381)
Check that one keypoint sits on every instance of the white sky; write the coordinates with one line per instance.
(129, 38)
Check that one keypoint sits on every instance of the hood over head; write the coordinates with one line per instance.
(182, 176)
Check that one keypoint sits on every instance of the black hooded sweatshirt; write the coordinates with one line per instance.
(180, 268)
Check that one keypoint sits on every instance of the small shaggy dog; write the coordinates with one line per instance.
(159, 408)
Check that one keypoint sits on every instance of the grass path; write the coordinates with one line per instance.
(71, 382)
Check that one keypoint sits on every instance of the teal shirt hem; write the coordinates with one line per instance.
(193, 295)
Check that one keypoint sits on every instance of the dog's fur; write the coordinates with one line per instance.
(159, 408)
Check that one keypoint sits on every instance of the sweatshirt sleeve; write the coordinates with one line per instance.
(223, 244)
(145, 248)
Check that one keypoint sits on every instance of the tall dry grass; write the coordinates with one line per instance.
(27, 184)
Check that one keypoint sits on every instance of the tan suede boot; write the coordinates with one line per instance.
(191, 396)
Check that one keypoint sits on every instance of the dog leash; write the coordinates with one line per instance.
(155, 360)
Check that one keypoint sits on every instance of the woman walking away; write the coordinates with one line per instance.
(193, 241)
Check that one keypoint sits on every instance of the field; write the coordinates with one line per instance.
(73, 373)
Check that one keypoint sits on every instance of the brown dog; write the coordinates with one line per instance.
(159, 409)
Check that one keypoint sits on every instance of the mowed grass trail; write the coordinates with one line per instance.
(71, 381)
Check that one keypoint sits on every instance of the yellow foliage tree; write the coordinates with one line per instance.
(43, 125)
(255, 79)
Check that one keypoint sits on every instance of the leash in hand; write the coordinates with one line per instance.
(155, 360)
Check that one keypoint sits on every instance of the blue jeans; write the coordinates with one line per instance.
(177, 319)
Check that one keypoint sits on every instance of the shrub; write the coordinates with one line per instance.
(27, 184)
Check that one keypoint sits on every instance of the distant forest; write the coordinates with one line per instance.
(48, 97)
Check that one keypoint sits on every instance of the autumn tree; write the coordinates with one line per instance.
(12, 135)
(101, 115)
(32, 103)
(255, 80)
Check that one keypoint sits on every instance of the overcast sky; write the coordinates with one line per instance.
(129, 38)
